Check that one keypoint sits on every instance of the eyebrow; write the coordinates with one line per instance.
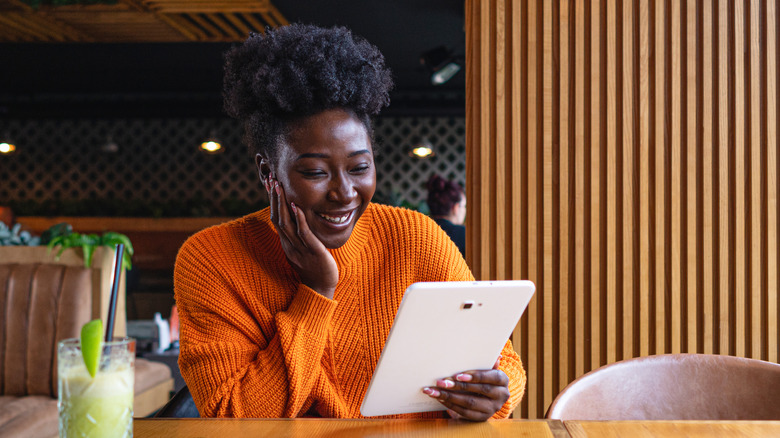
(316, 155)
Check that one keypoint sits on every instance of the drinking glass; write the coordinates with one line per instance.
(100, 406)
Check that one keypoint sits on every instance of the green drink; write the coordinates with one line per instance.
(99, 406)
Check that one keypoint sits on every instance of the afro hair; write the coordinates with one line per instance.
(299, 70)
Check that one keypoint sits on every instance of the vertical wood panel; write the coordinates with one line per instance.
(645, 179)
(499, 187)
(708, 175)
(645, 311)
(612, 189)
(535, 261)
(623, 156)
(724, 193)
(597, 175)
(627, 144)
(756, 291)
(661, 231)
(676, 174)
(740, 177)
(772, 180)
(690, 172)
(564, 126)
(580, 265)
(547, 200)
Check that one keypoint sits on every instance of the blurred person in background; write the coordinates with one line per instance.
(447, 202)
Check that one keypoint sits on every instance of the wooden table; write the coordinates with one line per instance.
(332, 428)
(688, 429)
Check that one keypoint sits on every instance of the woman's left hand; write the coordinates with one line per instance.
(472, 395)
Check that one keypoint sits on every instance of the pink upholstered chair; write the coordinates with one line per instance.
(674, 387)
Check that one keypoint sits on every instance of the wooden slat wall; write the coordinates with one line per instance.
(623, 156)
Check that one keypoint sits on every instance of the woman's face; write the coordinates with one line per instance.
(326, 168)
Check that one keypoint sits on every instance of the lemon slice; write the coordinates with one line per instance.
(92, 344)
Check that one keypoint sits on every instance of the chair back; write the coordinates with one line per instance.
(40, 305)
(180, 406)
(674, 387)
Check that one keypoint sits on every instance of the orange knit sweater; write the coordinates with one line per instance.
(255, 342)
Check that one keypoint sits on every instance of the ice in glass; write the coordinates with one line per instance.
(100, 406)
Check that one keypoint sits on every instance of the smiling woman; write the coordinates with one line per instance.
(284, 312)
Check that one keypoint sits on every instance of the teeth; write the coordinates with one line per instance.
(335, 219)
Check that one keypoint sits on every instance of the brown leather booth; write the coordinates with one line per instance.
(41, 304)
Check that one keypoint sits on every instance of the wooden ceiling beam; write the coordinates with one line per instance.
(14, 5)
(135, 5)
(212, 33)
(239, 24)
(181, 25)
(54, 29)
(207, 6)
(138, 21)
(224, 26)
(42, 26)
(18, 29)
(259, 27)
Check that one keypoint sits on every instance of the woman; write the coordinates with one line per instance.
(284, 312)
(447, 203)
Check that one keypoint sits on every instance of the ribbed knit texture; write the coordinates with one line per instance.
(255, 342)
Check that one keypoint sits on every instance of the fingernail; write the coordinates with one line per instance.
(463, 377)
(277, 188)
(445, 383)
(432, 392)
(294, 208)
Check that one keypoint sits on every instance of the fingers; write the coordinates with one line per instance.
(473, 395)
(281, 215)
(461, 405)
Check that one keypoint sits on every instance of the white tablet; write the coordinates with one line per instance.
(441, 329)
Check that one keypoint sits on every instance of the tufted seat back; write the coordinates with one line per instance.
(40, 304)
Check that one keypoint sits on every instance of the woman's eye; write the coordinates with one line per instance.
(360, 169)
(312, 173)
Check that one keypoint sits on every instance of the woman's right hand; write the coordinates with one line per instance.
(314, 265)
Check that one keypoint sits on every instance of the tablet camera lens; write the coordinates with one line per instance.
(467, 305)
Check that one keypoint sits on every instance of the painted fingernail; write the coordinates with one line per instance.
(463, 377)
(432, 392)
(294, 208)
(277, 187)
(445, 383)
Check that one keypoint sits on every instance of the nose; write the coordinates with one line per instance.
(341, 189)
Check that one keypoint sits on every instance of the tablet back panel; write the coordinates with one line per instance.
(441, 329)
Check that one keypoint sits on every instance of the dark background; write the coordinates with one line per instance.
(87, 80)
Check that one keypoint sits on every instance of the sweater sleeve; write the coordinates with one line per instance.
(234, 365)
(449, 258)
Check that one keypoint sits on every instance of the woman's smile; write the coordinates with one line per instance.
(337, 219)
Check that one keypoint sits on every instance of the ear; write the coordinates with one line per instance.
(263, 166)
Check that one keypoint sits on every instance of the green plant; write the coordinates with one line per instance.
(89, 242)
(15, 236)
